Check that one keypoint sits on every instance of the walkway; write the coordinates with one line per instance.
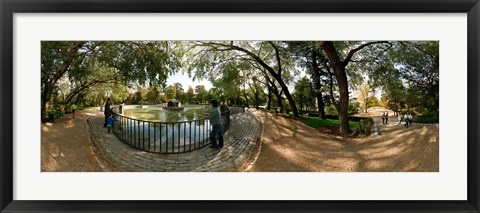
(66, 147)
(291, 146)
(239, 149)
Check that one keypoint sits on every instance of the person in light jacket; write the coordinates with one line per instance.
(215, 118)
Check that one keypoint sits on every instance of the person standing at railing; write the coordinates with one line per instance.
(215, 118)
(110, 121)
(107, 111)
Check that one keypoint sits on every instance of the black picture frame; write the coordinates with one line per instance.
(9, 7)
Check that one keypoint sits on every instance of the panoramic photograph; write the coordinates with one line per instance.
(239, 106)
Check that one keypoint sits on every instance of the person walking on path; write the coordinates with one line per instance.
(399, 119)
(410, 118)
(407, 120)
(386, 118)
(277, 112)
(383, 118)
(62, 109)
(215, 120)
(74, 108)
(107, 111)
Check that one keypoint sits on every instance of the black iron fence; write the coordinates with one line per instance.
(165, 137)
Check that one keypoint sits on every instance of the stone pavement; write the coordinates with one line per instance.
(241, 144)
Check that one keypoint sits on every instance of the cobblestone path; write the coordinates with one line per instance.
(241, 145)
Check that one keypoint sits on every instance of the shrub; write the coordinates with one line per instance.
(353, 108)
(365, 126)
(430, 117)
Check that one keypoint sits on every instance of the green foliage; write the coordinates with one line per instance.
(153, 95)
(86, 65)
(364, 126)
(304, 94)
(353, 108)
(140, 95)
(171, 92)
(189, 95)
(331, 110)
(431, 117)
(201, 94)
(316, 122)
(409, 74)
(366, 95)
(179, 91)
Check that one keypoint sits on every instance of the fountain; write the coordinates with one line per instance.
(173, 104)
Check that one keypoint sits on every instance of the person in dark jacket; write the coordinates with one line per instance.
(215, 118)
(107, 112)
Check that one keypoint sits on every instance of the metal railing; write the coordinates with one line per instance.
(165, 137)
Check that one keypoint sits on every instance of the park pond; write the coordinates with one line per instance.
(156, 113)
(155, 129)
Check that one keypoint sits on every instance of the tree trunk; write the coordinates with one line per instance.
(289, 98)
(318, 85)
(341, 76)
(343, 103)
(279, 101)
(269, 102)
(46, 100)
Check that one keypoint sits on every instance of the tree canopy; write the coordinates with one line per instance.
(250, 73)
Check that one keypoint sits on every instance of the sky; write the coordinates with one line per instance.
(186, 81)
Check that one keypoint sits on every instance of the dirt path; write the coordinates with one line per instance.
(65, 144)
(291, 146)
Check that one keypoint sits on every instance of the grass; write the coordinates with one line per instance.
(316, 122)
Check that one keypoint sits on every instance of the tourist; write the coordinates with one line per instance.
(399, 119)
(215, 118)
(74, 108)
(383, 118)
(386, 118)
(277, 111)
(410, 119)
(107, 111)
(62, 109)
(110, 121)
(407, 120)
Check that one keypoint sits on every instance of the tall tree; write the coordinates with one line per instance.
(190, 94)
(269, 55)
(419, 66)
(153, 95)
(57, 57)
(366, 95)
(179, 91)
(302, 94)
(339, 66)
(409, 70)
(171, 92)
(201, 93)
(310, 57)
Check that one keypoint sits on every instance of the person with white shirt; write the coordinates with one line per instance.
(399, 119)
